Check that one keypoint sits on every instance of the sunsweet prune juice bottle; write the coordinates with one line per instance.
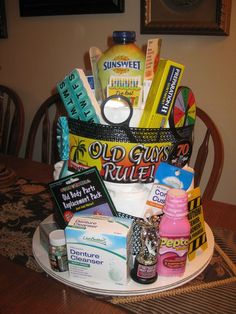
(124, 58)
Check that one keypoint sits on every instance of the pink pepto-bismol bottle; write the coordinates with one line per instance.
(174, 233)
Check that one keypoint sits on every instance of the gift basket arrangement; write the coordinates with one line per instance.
(124, 191)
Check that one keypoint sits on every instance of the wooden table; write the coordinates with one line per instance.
(26, 291)
(28, 169)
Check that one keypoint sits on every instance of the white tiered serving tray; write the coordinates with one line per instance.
(193, 269)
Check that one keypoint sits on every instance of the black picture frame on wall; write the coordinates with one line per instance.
(182, 17)
(3, 21)
(68, 7)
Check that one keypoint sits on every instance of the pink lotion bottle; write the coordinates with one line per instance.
(174, 234)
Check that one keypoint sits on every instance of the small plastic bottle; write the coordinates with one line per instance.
(57, 251)
(124, 58)
(174, 232)
(145, 264)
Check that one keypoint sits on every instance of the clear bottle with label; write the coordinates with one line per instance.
(145, 264)
(57, 251)
(174, 232)
(123, 59)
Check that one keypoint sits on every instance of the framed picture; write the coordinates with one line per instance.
(64, 7)
(3, 21)
(196, 17)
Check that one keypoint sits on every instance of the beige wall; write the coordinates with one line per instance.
(40, 51)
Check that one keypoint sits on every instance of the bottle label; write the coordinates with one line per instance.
(120, 60)
(178, 244)
(172, 255)
(58, 258)
(146, 271)
(122, 64)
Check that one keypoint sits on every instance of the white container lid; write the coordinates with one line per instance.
(57, 237)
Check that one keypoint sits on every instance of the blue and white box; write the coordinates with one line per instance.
(99, 249)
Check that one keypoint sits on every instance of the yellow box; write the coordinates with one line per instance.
(161, 96)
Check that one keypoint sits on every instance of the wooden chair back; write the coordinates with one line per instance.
(12, 119)
(45, 119)
(213, 136)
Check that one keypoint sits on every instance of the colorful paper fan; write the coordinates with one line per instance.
(184, 109)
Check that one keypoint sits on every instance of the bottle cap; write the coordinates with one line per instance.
(122, 37)
(57, 237)
(176, 203)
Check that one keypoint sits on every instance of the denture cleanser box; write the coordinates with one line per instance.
(99, 249)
